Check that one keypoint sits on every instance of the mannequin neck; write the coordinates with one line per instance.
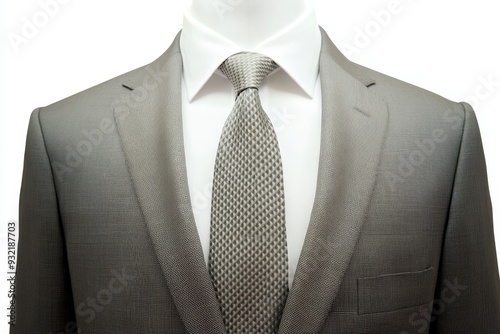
(247, 23)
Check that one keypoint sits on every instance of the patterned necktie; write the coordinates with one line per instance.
(248, 259)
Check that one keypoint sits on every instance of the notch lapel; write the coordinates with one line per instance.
(354, 126)
(149, 123)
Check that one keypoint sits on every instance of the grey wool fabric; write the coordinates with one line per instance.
(400, 239)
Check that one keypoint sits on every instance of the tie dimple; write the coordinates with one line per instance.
(248, 259)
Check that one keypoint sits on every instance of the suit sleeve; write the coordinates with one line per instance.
(467, 298)
(43, 297)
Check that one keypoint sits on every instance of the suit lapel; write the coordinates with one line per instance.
(149, 123)
(354, 125)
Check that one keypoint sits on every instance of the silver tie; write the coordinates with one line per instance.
(248, 259)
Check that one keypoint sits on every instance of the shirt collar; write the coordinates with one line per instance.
(295, 49)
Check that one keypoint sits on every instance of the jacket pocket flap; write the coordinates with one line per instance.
(395, 291)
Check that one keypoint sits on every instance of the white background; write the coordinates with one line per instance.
(448, 47)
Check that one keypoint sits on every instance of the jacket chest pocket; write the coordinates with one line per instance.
(392, 292)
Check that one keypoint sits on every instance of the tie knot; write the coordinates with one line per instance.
(247, 70)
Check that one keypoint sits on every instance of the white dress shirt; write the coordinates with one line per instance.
(291, 96)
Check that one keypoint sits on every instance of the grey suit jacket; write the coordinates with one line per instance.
(400, 239)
